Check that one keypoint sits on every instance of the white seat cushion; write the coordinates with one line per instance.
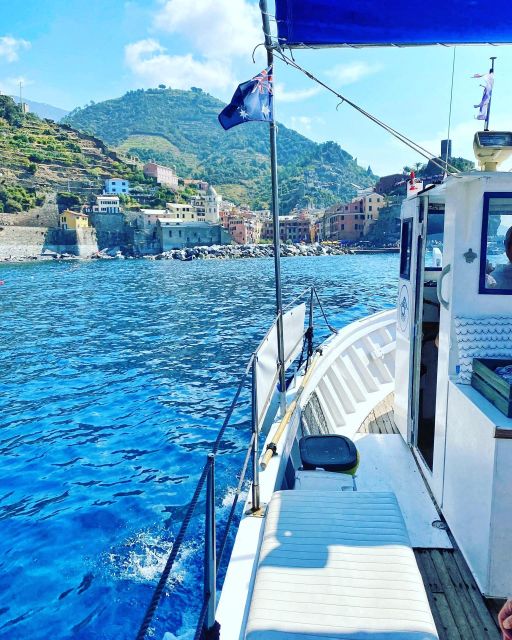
(337, 565)
(323, 481)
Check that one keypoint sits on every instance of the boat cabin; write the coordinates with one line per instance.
(454, 311)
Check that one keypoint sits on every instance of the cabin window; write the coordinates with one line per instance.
(406, 249)
(496, 246)
(435, 237)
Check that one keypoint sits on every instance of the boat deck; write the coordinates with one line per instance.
(459, 610)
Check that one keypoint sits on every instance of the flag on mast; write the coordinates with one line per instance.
(483, 107)
(251, 102)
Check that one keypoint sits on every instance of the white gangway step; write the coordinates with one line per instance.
(337, 565)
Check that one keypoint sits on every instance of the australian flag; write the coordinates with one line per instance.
(251, 102)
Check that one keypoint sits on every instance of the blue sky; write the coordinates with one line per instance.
(68, 53)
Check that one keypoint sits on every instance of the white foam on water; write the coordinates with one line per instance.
(229, 496)
(142, 558)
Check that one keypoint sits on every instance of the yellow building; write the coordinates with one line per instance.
(73, 220)
(372, 204)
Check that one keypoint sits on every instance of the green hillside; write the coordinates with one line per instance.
(180, 128)
(38, 156)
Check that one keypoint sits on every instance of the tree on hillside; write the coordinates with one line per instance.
(10, 111)
(67, 200)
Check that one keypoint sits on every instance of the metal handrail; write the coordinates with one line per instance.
(207, 627)
(211, 565)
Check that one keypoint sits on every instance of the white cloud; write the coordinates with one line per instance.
(283, 95)
(304, 124)
(222, 34)
(10, 48)
(344, 74)
(149, 60)
(218, 29)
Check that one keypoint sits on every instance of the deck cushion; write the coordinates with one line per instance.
(337, 565)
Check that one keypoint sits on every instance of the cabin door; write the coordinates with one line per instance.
(410, 254)
(426, 329)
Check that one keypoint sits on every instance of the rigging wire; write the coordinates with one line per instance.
(279, 53)
(450, 110)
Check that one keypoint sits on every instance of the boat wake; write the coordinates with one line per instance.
(142, 559)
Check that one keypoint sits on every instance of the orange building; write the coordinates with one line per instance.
(351, 221)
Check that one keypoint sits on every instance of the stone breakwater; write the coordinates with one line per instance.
(219, 252)
(237, 251)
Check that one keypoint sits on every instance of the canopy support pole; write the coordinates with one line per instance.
(275, 220)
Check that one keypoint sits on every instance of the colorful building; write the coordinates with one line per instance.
(245, 229)
(208, 205)
(163, 175)
(293, 228)
(105, 204)
(350, 222)
(73, 220)
(181, 212)
(117, 186)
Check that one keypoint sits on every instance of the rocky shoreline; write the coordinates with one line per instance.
(237, 251)
(218, 252)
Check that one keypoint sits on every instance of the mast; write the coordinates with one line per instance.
(486, 128)
(275, 217)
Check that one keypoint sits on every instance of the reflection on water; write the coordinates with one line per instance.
(115, 379)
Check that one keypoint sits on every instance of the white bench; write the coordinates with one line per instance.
(337, 566)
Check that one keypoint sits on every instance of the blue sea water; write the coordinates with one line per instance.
(115, 378)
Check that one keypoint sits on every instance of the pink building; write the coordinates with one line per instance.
(163, 175)
(244, 226)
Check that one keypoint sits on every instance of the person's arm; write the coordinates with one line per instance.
(505, 619)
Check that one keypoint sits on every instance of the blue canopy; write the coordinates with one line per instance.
(338, 23)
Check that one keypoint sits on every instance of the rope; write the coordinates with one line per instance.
(329, 326)
(399, 136)
(199, 629)
(157, 594)
(218, 439)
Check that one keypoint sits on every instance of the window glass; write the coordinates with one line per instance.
(435, 235)
(496, 250)
(405, 249)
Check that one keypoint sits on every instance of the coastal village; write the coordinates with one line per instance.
(208, 220)
(73, 196)
(115, 222)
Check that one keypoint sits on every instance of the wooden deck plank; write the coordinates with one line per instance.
(380, 419)
(428, 571)
(445, 623)
(487, 609)
(454, 598)
(458, 608)
(479, 627)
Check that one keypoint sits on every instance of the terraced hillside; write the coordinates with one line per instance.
(40, 155)
(180, 128)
